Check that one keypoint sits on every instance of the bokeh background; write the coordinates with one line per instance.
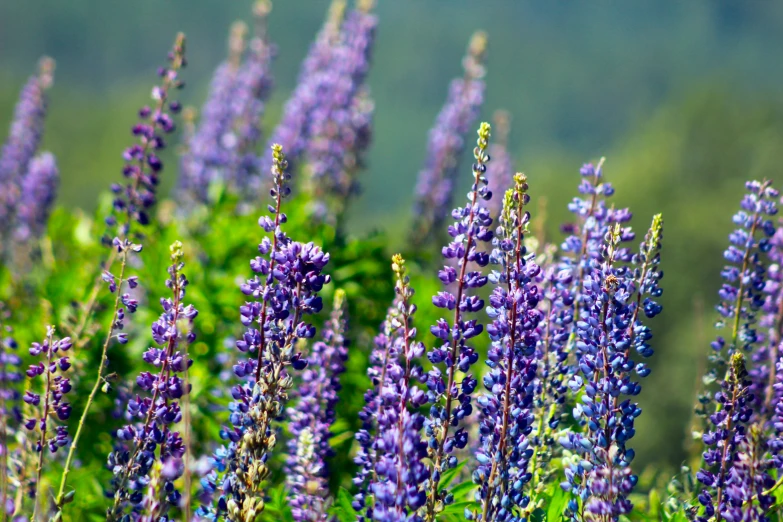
(683, 98)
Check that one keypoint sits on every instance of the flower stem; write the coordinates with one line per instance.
(98, 380)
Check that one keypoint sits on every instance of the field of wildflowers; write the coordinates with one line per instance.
(230, 353)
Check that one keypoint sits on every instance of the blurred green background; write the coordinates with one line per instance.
(683, 98)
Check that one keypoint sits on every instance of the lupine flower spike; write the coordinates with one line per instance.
(392, 457)
(451, 397)
(131, 205)
(150, 436)
(734, 474)
(10, 414)
(39, 190)
(292, 131)
(290, 279)
(599, 471)
(50, 404)
(253, 86)
(22, 144)
(340, 123)
(207, 158)
(384, 349)
(311, 419)
(133, 202)
(434, 189)
(507, 420)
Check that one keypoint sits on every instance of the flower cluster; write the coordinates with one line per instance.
(55, 386)
(506, 419)
(221, 148)
(26, 191)
(599, 471)
(396, 472)
(286, 290)
(292, 131)
(311, 419)
(736, 444)
(450, 398)
(49, 405)
(339, 124)
(132, 202)
(150, 437)
(206, 157)
(39, 190)
(253, 86)
(434, 189)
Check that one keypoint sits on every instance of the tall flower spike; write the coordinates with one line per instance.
(450, 398)
(312, 418)
(49, 403)
(735, 461)
(39, 190)
(207, 156)
(502, 473)
(291, 275)
(384, 350)
(772, 319)
(292, 131)
(132, 202)
(253, 86)
(598, 469)
(397, 472)
(585, 242)
(339, 125)
(434, 189)
(724, 495)
(10, 413)
(150, 436)
(22, 144)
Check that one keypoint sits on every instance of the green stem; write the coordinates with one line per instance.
(98, 380)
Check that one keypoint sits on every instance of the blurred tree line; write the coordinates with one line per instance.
(683, 98)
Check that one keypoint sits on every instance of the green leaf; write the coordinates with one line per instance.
(448, 476)
(343, 508)
(557, 505)
(458, 508)
(462, 491)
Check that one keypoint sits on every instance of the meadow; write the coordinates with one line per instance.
(232, 350)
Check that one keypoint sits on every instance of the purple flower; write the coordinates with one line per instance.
(10, 410)
(22, 142)
(311, 419)
(207, 157)
(507, 419)
(39, 190)
(434, 189)
(451, 400)
(609, 326)
(292, 131)
(149, 437)
(132, 202)
(738, 447)
(221, 147)
(392, 449)
(339, 123)
(285, 291)
(47, 401)
(253, 86)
